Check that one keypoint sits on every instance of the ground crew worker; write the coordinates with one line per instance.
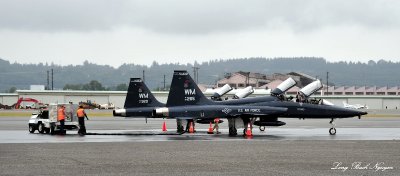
(61, 118)
(81, 118)
(216, 122)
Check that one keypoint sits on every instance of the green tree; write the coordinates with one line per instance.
(93, 85)
(12, 90)
(121, 87)
(73, 87)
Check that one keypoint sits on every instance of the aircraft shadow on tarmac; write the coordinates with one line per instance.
(188, 136)
(224, 137)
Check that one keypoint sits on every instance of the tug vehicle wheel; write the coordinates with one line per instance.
(31, 129)
(41, 128)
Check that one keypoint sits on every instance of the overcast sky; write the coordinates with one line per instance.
(117, 32)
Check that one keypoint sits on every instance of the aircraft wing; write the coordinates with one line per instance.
(221, 111)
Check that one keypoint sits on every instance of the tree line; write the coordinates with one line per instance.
(78, 77)
(95, 85)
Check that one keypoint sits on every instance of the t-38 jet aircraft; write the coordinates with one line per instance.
(140, 102)
(185, 100)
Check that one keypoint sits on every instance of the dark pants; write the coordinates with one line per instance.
(62, 126)
(82, 128)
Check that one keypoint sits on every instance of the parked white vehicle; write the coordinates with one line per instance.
(46, 121)
(354, 106)
(107, 106)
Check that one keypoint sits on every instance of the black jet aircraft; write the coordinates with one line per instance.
(140, 102)
(187, 101)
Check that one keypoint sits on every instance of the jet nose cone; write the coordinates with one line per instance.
(359, 113)
(353, 113)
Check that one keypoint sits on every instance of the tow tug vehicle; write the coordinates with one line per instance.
(46, 121)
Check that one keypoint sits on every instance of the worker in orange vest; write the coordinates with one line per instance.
(216, 122)
(81, 118)
(61, 118)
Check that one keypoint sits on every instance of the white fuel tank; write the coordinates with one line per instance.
(284, 86)
(244, 93)
(311, 88)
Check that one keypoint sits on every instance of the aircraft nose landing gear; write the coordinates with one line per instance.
(332, 131)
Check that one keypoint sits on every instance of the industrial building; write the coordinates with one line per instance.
(262, 81)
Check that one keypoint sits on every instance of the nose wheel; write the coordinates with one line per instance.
(332, 131)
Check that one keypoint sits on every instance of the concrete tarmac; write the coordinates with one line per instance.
(367, 146)
(245, 157)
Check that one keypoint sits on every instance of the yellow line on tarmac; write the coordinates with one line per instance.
(28, 114)
(15, 114)
(99, 114)
(381, 115)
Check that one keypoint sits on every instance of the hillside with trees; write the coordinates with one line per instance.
(20, 76)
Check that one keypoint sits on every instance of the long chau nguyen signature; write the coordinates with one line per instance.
(377, 167)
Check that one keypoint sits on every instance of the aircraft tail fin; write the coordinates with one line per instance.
(139, 95)
(184, 91)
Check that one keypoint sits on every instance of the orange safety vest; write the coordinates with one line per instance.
(216, 120)
(61, 114)
(80, 113)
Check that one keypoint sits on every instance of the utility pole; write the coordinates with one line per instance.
(196, 74)
(164, 83)
(327, 85)
(143, 76)
(247, 81)
(52, 79)
(48, 80)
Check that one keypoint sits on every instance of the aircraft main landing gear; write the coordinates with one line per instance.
(232, 127)
(332, 131)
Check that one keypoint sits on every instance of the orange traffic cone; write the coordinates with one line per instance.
(164, 126)
(191, 128)
(210, 130)
(248, 131)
